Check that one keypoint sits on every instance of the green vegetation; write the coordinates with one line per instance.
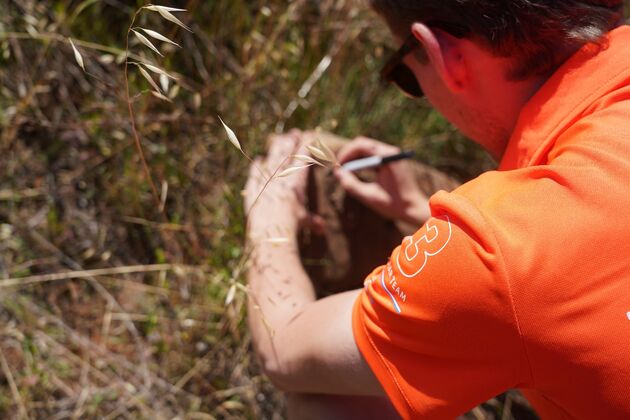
(150, 333)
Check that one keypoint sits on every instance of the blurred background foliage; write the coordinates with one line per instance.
(151, 334)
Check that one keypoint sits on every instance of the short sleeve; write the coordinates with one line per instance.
(436, 323)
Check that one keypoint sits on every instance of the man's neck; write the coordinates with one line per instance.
(501, 109)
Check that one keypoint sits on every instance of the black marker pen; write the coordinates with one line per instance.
(375, 161)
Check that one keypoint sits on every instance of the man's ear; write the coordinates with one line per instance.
(445, 54)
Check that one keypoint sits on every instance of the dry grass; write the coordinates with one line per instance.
(112, 291)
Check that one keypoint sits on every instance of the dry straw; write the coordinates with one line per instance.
(77, 55)
(146, 42)
(144, 68)
(231, 136)
(159, 36)
(165, 12)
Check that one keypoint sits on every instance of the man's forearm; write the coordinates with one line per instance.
(279, 290)
(304, 345)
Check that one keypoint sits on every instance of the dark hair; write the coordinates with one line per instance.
(538, 34)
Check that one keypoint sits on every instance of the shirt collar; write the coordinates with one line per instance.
(592, 72)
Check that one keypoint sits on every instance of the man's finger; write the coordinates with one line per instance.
(363, 147)
(282, 145)
(255, 181)
(255, 172)
(313, 222)
(370, 193)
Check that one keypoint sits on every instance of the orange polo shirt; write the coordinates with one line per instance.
(522, 277)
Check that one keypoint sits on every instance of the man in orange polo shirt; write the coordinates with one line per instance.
(521, 277)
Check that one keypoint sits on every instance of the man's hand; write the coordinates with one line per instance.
(272, 201)
(395, 194)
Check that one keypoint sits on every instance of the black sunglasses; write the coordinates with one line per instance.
(397, 72)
